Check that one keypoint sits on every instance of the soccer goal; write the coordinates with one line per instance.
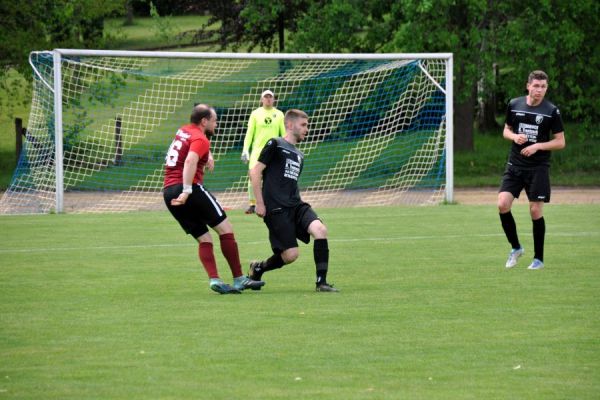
(380, 128)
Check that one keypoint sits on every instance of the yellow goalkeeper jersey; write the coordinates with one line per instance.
(263, 125)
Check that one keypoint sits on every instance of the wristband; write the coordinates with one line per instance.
(187, 189)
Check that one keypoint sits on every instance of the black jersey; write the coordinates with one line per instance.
(537, 123)
(284, 164)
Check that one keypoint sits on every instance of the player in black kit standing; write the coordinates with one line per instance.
(279, 203)
(535, 127)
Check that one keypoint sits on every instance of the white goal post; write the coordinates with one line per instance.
(380, 128)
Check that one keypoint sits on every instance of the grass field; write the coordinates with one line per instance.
(117, 307)
(145, 33)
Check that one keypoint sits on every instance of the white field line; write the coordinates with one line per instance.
(338, 240)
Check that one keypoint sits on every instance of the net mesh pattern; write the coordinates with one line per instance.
(377, 129)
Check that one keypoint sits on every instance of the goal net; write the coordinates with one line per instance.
(102, 121)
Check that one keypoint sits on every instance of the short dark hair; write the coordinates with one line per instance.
(201, 111)
(294, 114)
(537, 74)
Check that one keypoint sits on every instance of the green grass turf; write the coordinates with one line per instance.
(143, 34)
(117, 307)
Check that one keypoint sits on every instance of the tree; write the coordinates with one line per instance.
(342, 26)
(42, 25)
(495, 45)
(256, 23)
(561, 38)
(456, 26)
(462, 27)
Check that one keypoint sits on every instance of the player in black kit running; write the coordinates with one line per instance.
(275, 184)
(535, 127)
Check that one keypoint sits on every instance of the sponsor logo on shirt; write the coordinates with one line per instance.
(530, 130)
(292, 169)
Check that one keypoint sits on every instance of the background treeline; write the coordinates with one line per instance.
(495, 43)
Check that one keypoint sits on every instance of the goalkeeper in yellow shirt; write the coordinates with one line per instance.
(265, 123)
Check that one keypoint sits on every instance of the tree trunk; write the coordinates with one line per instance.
(486, 107)
(128, 13)
(281, 32)
(464, 113)
(486, 115)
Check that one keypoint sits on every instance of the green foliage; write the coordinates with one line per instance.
(252, 24)
(62, 23)
(15, 92)
(578, 164)
(138, 35)
(260, 20)
(442, 26)
(116, 306)
(40, 25)
(163, 26)
(15, 98)
(561, 38)
(107, 91)
(73, 130)
(331, 28)
(340, 26)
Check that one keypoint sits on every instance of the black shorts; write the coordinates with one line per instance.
(536, 183)
(288, 224)
(200, 209)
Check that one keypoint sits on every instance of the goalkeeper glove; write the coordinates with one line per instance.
(245, 156)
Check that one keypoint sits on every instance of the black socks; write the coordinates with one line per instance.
(271, 263)
(539, 232)
(510, 229)
(321, 254)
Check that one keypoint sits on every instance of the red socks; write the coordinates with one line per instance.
(230, 251)
(207, 258)
(229, 248)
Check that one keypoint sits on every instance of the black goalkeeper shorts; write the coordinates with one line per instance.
(199, 211)
(288, 224)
